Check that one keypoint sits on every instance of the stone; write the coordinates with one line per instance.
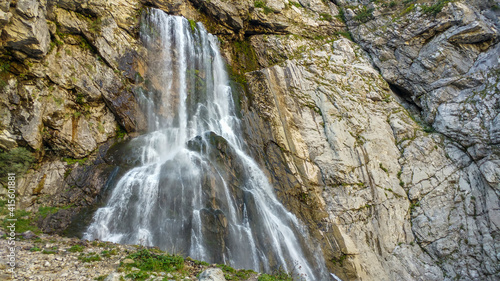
(28, 235)
(7, 140)
(212, 274)
(27, 30)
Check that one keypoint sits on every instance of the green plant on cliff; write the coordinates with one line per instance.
(364, 14)
(325, 17)
(261, 4)
(16, 161)
(436, 7)
(4, 71)
(192, 24)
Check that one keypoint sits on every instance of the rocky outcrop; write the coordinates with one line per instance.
(396, 174)
(441, 56)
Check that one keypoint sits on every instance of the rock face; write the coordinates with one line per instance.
(387, 148)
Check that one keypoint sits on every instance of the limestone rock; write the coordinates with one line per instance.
(212, 274)
(27, 30)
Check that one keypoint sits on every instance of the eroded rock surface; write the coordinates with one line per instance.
(396, 174)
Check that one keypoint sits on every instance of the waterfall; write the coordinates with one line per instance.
(196, 191)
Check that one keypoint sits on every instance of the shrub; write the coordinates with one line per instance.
(147, 261)
(17, 161)
(325, 17)
(364, 15)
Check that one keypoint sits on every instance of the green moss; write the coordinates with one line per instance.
(296, 4)
(120, 132)
(71, 161)
(192, 24)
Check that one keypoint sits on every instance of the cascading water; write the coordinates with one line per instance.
(196, 191)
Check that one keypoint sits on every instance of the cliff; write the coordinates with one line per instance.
(377, 122)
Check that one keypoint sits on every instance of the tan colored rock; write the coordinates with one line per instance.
(27, 30)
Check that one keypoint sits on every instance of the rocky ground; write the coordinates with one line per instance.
(52, 257)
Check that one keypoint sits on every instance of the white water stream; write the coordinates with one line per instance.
(181, 198)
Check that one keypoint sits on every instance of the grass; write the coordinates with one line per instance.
(278, 275)
(364, 15)
(146, 260)
(43, 212)
(23, 223)
(17, 161)
(75, 248)
(325, 17)
(90, 257)
(261, 4)
(345, 34)
(436, 8)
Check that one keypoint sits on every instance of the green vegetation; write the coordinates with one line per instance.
(24, 220)
(364, 15)
(17, 161)
(345, 34)
(277, 275)
(80, 98)
(147, 261)
(120, 132)
(436, 8)
(414, 205)
(4, 71)
(341, 15)
(325, 17)
(296, 4)
(50, 251)
(383, 168)
(261, 4)
(75, 248)
(89, 257)
(192, 24)
(71, 161)
(95, 25)
(340, 260)
(109, 253)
